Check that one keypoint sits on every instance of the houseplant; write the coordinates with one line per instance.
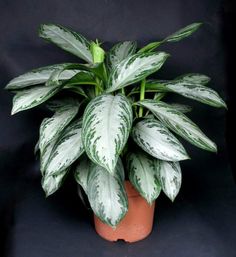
(109, 123)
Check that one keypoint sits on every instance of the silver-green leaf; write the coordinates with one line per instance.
(39, 76)
(143, 175)
(135, 68)
(179, 123)
(195, 78)
(156, 140)
(29, 98)
(170, 178)
(82, 172)
(191, 90)
(51, 127)
(119, 52)
(66, 150)
(52, 183)
(68, 40)
(107, 122)
(107, 195)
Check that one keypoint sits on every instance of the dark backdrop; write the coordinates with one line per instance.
(202, 221)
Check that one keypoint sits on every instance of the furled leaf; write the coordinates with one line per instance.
(107, 195)
(183, 33)
(194, 78)
(29, 98)
(39, 76)
(66, 150)
(52, 183)
(98, 53)
(190, 90)
(107, 122)
(119, 52)
(156, 139)
(179, 123)
(170, 177)
(135, 68)
(143, 175)
(150, 47)
(68, 40)
(177, 36)
(51, 127)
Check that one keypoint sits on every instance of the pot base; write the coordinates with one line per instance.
(137, 223)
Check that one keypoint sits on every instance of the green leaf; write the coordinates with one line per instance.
(66, 150)
(194, 78)
(179, 123)
(150, 47)
(143, 175)
(39, 76)
(81, 78)
(119, 52)
(52, 183)
(107, 195)
(68, 40)
(190, 90)
(170, 177)
(183, 33)
(134, 69)
(107, 122)
(177, 36)
(29, 98)
(156, 140)
(51, 127)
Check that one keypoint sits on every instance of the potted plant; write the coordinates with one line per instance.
(111, 127)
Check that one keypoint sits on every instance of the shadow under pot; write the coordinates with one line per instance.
(137, 223)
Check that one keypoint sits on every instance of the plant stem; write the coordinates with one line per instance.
(142, 96)
(97, 87)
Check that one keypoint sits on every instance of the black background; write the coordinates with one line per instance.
(202, 221)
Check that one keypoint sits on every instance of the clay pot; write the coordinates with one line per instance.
(137, 223)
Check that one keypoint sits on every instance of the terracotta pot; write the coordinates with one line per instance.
(137, 223)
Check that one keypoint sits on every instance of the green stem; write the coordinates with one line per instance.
(97, 87)
(142, 96)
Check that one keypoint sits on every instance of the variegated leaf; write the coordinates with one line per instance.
(107, 122)
(66, 150)
(82, 171)
(170, 178)
(179, 123)
(119, 52)
(194, 78)
(39, 76)
(135, 68)
(143, 175)
(68, 40)
(181, 107)
(29, 98)
(190, 90)
(183, 33)
(107, 195)
(52, 183)
(51, 127)
(156, 139)
(45, 154)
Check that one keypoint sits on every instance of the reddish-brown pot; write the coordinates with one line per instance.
(137, 223)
